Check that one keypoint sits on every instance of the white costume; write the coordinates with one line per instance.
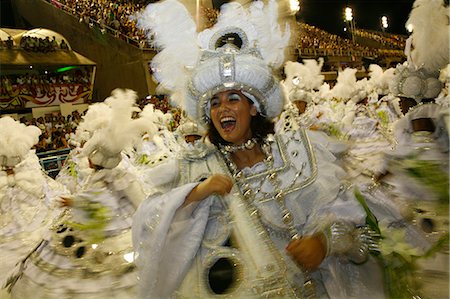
(177, 246)
(234, 246)
(87, 252)
(27, 196)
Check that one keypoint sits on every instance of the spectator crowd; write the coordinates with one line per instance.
(45, 81)
(56, 130)
(112, 16)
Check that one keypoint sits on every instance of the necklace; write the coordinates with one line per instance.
(248, 145)
(249, 195)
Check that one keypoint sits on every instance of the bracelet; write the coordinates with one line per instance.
(343, 238)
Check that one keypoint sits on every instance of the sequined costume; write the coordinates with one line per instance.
(297, 190)
(87, 252)
(27, 209)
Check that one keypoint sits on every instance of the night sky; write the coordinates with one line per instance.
(325, 14)
(329, 14)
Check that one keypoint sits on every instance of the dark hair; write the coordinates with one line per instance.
(259, 125)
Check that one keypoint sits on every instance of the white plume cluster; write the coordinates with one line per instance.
(379, 79)
(16, 139)
(121, 130)
(156, 119)
(171, 28)
(97, 116)
(271, 41)
(345, 87)
(308, 74)
(231, 14)
(430, 36)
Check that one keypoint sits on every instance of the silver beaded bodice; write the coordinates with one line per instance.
(258, 206)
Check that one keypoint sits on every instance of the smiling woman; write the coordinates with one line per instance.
(254, 214)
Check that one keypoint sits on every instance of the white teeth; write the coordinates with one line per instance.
(227, 118)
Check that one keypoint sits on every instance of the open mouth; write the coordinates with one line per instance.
(228, 123)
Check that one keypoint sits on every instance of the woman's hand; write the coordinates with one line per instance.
(216, 184)
(308, 252)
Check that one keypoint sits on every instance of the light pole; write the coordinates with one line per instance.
(384, 23)
(349, 19)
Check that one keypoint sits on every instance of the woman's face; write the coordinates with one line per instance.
(231, 114)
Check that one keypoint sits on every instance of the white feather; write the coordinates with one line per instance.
(96, 117)
(121, 130)
(170, 28)
(430, 36)
(345, 87)
(271, 41)
(16, 139)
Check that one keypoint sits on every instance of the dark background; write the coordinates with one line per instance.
(325, 14)
(329, 14)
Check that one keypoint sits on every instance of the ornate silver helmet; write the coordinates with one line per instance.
(239, 52)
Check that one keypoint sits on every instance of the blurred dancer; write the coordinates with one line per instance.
(27, 196)
(87, 253)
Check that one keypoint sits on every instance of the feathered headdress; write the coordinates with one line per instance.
(156, 119)
(97, 116)
(105, 146)
(430, 35)
(16, 140)
(427, 50)
(302, 79)
(238, 52)
(379, 79)
(345, 87)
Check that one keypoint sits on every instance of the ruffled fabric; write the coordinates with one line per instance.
(27, 208)
(87, 252)
(161, 227)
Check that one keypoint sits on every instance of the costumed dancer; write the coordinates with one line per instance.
(87, 253)
(301, 85)
(76, 168)
(27, 196)
(368, 131)
(416, 174)
(256, 214)
(156, 146)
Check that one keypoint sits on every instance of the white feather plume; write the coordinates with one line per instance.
(97, 116)
(271, 41)
(308, 73)
(430, 36)
(121, 130)
(170, 28)
(232, 14)
(345, 87)
(156, 119)
(16, 139)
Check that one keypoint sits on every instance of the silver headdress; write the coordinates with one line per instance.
(189, 127)
(238, 52)
(418, 78)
